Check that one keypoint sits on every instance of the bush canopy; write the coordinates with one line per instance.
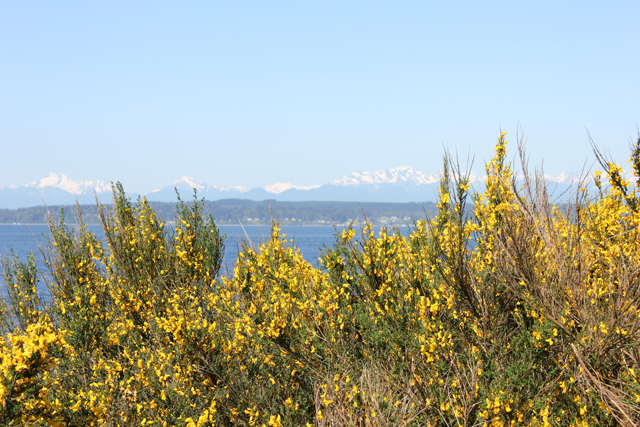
(504, 309)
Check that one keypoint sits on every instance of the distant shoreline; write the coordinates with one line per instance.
(251, 213)
(287, 224)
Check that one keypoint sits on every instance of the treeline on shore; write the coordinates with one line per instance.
(248, 212)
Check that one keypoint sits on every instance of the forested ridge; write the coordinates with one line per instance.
(234, 211)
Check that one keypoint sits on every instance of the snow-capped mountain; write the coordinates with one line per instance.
(185, 187)
(563, 178)
(399, 184)
(77, 188)
(54, 189)
(280, 187)
(398, 175)
(186, 182)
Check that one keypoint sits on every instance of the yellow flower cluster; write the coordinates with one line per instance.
(28, 375)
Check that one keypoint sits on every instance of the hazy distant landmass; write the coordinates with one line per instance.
(397, 186)
(400, 185)
(249, 212)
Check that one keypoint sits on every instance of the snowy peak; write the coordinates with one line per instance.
(190, 183)
(397, 175)
(564, 178)
(77, 188)
(280, 187)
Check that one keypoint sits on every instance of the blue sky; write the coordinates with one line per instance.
(250, 93)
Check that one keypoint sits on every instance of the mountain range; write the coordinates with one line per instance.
(399, 184)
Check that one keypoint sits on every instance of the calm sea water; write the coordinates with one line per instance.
(309, 239)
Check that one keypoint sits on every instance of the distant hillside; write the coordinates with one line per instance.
(248, 212)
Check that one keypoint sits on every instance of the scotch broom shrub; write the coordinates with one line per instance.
(504, 309)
